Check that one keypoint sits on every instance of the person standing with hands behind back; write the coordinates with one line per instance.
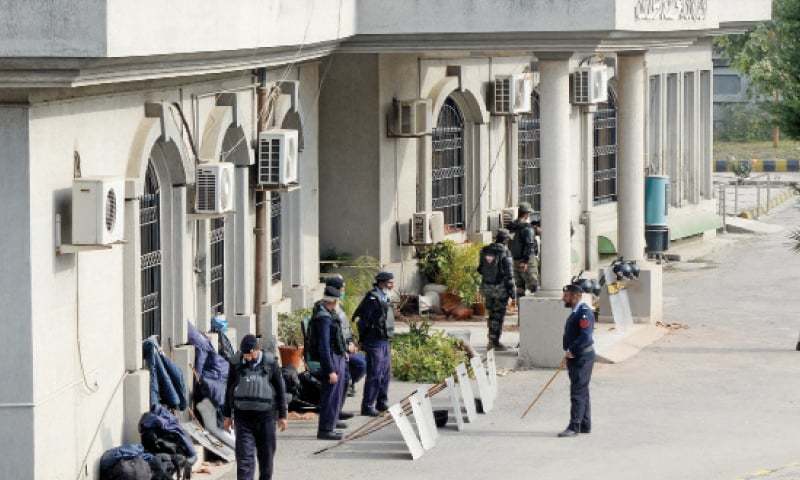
(579, 353)
(255, 393)
(329, 350)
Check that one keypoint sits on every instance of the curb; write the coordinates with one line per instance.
(755, 212)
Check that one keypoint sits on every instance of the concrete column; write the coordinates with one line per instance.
(182, 265)
(512, 150)
(590, 257)
(132, 331)
(556, 175)
(541, 317)
(424, 166)
(630, 169)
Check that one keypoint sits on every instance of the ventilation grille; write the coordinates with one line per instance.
(502, 95)
(418, 229)
(269, 161)
(111, 210)
(206, 190)
(581, 87)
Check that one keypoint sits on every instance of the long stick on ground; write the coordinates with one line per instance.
(381, 422)
(546, 386)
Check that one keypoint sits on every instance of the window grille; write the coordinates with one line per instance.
(217, 267)
(150, 233)
(275, 245)
(605, 152)
(530, 155)
(448, 165)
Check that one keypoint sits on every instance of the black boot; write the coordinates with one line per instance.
(328, 435)
(370, 412)
(568, 433)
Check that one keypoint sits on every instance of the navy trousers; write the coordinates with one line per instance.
(331, 402)
(255, 438)
(580, 374)
(379, 372)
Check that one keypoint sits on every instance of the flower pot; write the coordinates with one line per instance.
(449, 302)
(291, 356)
(462, 312)
(479, 309)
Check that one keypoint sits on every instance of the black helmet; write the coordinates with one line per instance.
(622, 269)
(585, 284)
(502, 235)
(634, 269)
(596, 289)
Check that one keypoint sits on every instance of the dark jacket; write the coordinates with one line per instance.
(210, 367)
(373, 317)
(578, 330)
(525, 238)
(495, 266)
(276, 380)
(166, 379)
(326, 330)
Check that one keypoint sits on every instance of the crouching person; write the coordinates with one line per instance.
(254, 398)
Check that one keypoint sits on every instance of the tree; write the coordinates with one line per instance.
(770, 56)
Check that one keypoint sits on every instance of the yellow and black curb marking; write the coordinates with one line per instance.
(764, 209)
(759, 165)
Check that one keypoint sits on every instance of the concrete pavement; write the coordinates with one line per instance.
(719, 400)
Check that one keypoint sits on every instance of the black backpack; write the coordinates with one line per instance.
(135, 468)
(170, 467)
(492, 264)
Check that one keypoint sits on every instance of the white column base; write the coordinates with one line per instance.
(136, 390)
(269, 319)
(645, 294)
(243, 324)
(541, 329)
(183, 357)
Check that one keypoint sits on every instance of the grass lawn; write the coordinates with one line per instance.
(788, 149)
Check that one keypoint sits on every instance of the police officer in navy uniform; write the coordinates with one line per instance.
(356, 363)
(329, 350)
(375, 317)
(579, 354)
(255, 394)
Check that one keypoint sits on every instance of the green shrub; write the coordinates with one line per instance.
(455, 266)
(424, 357)
(289, 327)
(743, 122)
(434, 259)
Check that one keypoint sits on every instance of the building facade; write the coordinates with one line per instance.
(151, 92)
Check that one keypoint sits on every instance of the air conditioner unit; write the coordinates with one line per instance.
(277, 158)
(512, 93)
(508, 215)
(411, 118)
(590, 85)
(427, 228)
(98, 210)
(214, 188)
(495, 220)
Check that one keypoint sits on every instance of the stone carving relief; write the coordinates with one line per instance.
(671, 9)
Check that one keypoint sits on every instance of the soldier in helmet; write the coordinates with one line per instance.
(525, 251)
(497, 284)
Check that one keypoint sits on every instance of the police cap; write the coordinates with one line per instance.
(524, 207)
(502, 235)
(335, 281)
(384, 277)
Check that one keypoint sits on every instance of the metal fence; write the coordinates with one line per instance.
(753, 195)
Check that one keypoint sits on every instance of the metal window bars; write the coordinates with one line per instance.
(605, 152)
(529, 155)
(447, 174)
(217, 267)
(150, 260)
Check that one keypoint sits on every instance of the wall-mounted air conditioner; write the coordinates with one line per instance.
(512, 93)
(98, 210)
(508, 215)
(590, 85)
(214, 188)
(427, 228)
(410, 118)
(495, 221)
(277, 158)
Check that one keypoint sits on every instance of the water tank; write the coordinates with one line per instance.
(656, 200)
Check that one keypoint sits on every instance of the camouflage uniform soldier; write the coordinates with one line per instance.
(525, 251)
(497, 284)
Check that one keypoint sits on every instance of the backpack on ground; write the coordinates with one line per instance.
(126, 462)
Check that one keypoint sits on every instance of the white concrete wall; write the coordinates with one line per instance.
(17, 397)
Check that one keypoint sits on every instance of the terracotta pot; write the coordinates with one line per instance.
(291, 356)
(479, 309)
(462, 312)
(449, 302)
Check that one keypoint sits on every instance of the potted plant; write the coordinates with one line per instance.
(461, 275)
(290, 333)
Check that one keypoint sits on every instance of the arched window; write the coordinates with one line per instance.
(605, 151)
(150, 232)
(217, 267)
(530, 154)
(448, 165)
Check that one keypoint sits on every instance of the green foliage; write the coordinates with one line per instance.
(461, 273)
(742, 169)
(359, 276)
(455, 266)
(434, 259)
(743, 122)
(289, 327)
(425, 357)
(770, 56)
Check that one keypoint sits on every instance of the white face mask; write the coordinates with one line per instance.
(385, 291)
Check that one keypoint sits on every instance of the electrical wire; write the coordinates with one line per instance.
(90, 388)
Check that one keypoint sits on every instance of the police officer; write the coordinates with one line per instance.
(255, 393)
(525, 251)
(497, 285)
(579, 354)
(375, 317)
(329, 350)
